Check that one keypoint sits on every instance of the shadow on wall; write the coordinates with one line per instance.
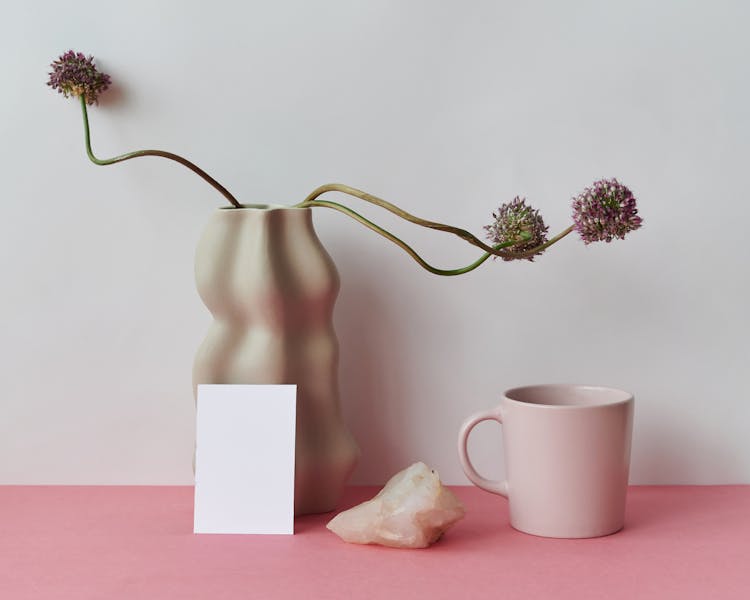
(666, 451)
(371, 377)
(115, 95)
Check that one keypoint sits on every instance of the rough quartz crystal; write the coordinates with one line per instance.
(412, 511)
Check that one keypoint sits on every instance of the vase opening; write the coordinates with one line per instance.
(260, 207)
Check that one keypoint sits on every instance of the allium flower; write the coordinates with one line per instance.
(75, 75)
(605, 211)
(512, 220)
(602, 212)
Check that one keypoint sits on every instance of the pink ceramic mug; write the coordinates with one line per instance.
(567, 457)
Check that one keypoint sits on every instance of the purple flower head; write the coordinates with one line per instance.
(605, 211)
(512, 221)
(75, 75)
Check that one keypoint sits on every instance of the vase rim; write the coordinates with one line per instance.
(263, 207)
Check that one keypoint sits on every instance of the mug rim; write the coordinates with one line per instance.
(625, 397)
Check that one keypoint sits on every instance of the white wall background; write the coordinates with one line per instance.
(446, 108)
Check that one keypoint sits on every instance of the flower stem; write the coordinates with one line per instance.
(408, 249)
(138, 153)
(543, 246)
(313, 199)
(345, 189)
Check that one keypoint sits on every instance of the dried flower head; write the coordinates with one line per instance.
(605, 211)
(75, 75)
(514, 221)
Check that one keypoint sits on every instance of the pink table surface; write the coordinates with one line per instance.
(60, 543)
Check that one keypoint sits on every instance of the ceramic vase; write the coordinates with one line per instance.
(271, 287)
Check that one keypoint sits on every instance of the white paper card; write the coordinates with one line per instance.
(244, 463)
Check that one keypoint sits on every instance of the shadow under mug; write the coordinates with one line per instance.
(567, 458)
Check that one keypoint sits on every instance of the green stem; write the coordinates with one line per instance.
(408, 249)
(313, 199)
(544, 246)
(345, 189)
(138, 153)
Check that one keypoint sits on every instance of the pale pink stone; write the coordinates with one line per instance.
(412, 511)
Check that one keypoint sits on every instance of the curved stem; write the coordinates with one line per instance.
(312, 200)
(346, 189)
(175, 157)
(408, 249)
(544, 246)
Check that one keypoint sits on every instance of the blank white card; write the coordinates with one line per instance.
(244, 463)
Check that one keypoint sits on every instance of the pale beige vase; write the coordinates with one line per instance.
(271, 288)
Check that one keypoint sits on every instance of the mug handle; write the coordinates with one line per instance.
(496, 487)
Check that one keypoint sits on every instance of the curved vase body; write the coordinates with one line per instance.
(271, 287)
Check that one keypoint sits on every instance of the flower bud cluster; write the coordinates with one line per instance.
(605, 211)
(73, 74)
(516, 221)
